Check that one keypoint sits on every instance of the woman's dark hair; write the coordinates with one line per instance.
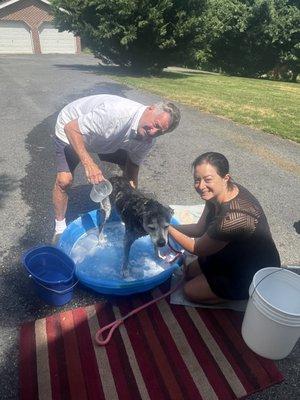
(217, 160)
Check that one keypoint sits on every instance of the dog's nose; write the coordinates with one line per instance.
(161, 243)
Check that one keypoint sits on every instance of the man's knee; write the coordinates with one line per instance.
(63, 181)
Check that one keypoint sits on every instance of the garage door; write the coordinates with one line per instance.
(15, 37)
(53, 41)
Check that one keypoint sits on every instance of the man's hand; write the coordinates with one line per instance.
(93, 173)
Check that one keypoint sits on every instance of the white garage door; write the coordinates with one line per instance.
(53, 41)
(15, 37)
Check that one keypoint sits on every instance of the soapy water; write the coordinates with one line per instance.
(105, 211)
(102, 259)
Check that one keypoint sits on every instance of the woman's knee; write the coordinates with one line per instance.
(191, 292)
(63, 180)
(198, 290)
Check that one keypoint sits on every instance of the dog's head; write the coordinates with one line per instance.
(156, 220)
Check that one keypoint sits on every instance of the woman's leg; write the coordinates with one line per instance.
(191, 268)
(197, 288)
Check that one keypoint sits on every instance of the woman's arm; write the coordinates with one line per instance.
(202, 247)
(197, 229)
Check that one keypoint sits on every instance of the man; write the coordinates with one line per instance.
(117, 129)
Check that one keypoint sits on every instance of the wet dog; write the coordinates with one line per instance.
(142, 215)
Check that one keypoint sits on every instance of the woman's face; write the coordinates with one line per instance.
(208, 183)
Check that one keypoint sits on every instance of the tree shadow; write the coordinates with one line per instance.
(19, 301)
(78, 67)
(115, 70)
(7, 185)
(98, 69)
(36, 191)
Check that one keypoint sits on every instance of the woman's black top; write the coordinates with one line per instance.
(241, 222)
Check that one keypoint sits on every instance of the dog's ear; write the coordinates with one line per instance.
(171, 210)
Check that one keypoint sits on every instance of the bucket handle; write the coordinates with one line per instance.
(271, 273)
(53, 290)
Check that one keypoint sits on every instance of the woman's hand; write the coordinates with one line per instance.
(202, 247)
(186, 242)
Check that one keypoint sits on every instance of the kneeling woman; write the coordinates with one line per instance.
(232, 238)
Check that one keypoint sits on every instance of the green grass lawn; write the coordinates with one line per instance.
(267, 105)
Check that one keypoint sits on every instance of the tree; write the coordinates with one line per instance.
(143, 35)
(285, 33)
(250, 37)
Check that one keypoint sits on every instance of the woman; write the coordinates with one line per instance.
(232, 238)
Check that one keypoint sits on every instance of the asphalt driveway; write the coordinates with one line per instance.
(33, 90)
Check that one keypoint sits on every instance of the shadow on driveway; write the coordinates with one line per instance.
(115, 70)
(19, 301)
(7, 185)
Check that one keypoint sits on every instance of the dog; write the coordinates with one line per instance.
(141, 214)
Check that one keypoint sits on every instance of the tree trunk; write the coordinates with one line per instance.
(294, 76)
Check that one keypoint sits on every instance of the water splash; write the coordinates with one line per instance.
(105, 211)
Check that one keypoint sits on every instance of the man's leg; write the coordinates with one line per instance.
(60, 197)
(66, 161)
(60, 201)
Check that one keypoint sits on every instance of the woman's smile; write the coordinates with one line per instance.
(208, 183)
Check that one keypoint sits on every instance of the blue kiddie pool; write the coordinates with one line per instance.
(98, 266)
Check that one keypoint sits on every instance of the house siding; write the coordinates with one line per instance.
(33, 13)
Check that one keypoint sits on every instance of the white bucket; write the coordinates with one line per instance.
(271, 325)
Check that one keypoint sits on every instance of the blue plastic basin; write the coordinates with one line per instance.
(52, 272)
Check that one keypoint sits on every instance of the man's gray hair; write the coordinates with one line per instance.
(172, 110)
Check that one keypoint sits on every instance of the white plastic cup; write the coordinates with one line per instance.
(100, 191)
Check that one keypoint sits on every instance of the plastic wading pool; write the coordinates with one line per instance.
(89, 221)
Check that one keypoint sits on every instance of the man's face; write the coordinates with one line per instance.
(152, 123)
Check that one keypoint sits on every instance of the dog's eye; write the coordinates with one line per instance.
(151, 227)
(166, 226)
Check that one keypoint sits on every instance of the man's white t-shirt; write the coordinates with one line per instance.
(108, 123)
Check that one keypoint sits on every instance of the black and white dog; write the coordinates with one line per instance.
(141, 215)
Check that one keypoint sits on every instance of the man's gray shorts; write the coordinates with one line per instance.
(67, 159)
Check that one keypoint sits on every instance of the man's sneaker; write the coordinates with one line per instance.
(55, 238)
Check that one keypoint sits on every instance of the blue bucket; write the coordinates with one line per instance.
(52, 273)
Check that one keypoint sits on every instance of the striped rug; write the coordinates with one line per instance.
(164, 352)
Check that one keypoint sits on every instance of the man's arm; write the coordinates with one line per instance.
(92, 170)
(131, 172)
